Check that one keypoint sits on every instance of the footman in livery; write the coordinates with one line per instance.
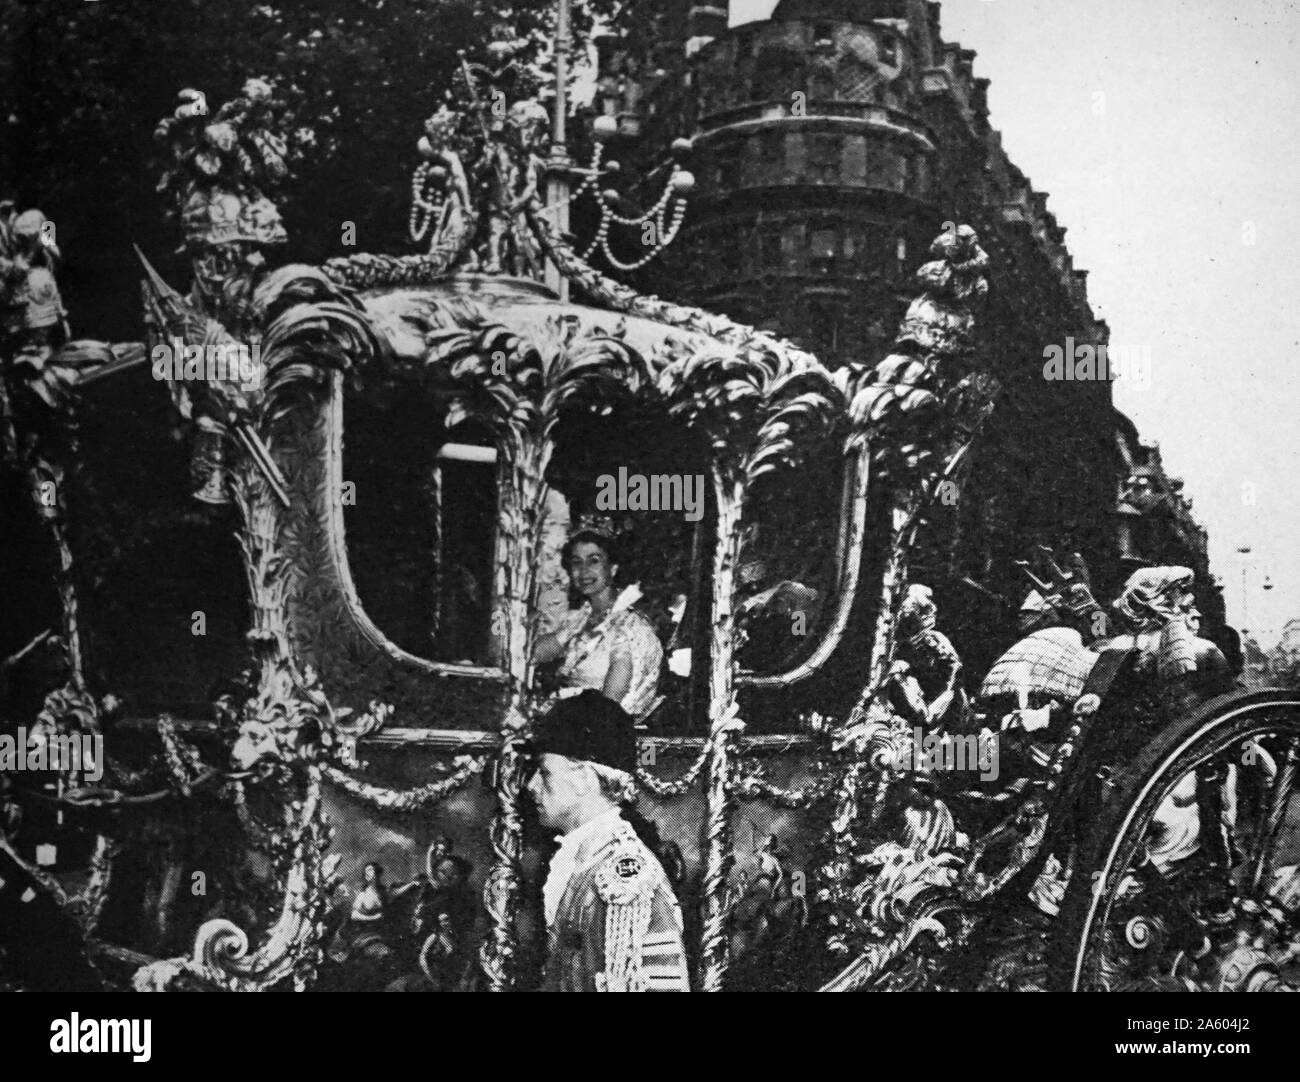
(613, 922)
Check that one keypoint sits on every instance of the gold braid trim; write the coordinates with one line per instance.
(627, 889)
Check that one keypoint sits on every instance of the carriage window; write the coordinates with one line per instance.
(420, 525)
(164, 598)
(788, 576)
(465, 483)
(635, 467)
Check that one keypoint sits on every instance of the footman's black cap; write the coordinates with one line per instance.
(588, 727)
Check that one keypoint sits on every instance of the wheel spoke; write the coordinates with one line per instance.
(1279, 795)
(1216, 832)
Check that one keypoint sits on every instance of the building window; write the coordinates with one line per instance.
(771, 146)
(823, 158)
(920, 177)
(824, 329)
(725, 255)
(821, 87)
(726, 166)
(771, 255)
(859, 254)
(823, 248)
(778, 73)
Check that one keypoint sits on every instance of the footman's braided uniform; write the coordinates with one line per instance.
(617, 926)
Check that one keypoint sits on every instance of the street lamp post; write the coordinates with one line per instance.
(557, 180)
(1244, 551)
(1246, 565)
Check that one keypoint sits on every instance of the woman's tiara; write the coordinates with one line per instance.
(600, 525)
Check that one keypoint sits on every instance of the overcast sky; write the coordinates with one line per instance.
(1165, 133)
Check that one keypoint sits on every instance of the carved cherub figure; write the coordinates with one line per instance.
(516, 165)
(441, 148)
(221, 169)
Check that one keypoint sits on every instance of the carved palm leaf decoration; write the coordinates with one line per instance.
(497, 378)
(311, 327)
(759, 410)
(805, 414)
(501, 379)
(590, 365)
(899, 405)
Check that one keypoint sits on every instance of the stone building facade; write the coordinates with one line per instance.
(1154, 519)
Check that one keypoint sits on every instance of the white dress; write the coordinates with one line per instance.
(590, 648)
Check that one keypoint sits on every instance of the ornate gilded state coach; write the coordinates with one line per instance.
(401, 445)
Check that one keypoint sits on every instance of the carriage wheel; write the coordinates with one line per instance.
(1191, 880)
